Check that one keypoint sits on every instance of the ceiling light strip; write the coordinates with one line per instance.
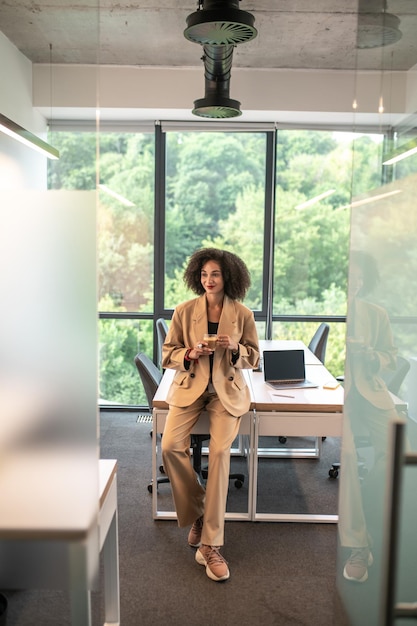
(19, 133)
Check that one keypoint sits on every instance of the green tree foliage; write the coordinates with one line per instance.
(204, 178)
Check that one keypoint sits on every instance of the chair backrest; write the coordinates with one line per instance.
(394, 379)
(161, 333)
(149, 374)
(318, 343)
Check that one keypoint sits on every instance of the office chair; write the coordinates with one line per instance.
(161, 333)
(318, 343)
(393, 380)
(151, 377)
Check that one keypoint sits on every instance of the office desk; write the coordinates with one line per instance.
(42, 548)
(314, 412)
(310, 359)
(160, 411)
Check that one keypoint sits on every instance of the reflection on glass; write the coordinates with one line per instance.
(369, 409)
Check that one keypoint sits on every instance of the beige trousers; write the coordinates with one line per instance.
(190, 498)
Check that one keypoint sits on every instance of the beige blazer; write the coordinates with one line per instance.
(188, 325)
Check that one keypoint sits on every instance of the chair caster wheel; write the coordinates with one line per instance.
(161, 469)
(282, 439)
(150, 487)
(238, 484)
(333, 473)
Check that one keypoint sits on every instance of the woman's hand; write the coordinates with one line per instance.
(224, 341)
(201, 349)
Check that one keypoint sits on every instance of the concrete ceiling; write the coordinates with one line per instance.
(293, 34)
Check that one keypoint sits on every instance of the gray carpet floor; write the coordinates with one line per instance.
(281, 573)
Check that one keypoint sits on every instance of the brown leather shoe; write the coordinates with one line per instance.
(194, 536)
(216, 565)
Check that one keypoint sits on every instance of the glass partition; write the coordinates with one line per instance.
(381, 347)
(48, 368)
(49, 444)
(125, 247)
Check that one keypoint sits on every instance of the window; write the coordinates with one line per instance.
(279, 199)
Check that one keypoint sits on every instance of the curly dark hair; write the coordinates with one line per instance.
(235, 274)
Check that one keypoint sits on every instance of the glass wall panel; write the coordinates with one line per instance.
(215, 196)
(381, 331)
(49, 443)
(381, 338)
(125, 212)
(125, 246)
(48, 365)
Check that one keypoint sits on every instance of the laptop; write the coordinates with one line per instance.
(285, 369)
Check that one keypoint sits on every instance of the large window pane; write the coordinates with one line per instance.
(126, 219)
(304, 331)
(215, 196)
(120, 341)
(313, 197)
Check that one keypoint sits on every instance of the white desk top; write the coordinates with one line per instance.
(311, 400)
(52, 495)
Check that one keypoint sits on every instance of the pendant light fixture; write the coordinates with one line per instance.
(218, 26)
(376, 27)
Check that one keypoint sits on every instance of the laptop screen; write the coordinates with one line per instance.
(284, 365)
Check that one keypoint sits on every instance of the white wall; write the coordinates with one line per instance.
(279, 96)
(20, 167)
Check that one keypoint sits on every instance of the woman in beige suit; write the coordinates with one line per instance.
(209, 380)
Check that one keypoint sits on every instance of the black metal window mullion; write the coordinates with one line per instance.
(159, 229)
(269, 232)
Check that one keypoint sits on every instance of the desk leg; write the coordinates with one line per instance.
(111, 575)
(79, 585)
(254, 466)
(154, 465)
